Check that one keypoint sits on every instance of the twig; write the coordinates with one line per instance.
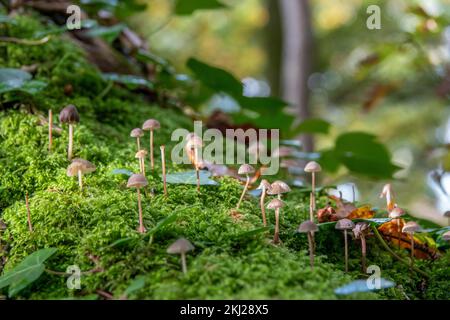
(26, 42)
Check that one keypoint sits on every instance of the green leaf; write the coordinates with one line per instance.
(145, 56)
(215, 78)
(190, 177)
(186, 7)
(135, 285)
(19, 80)
(26, 272)
(132, 82)
(165, 222)
(252, 233)
(313, 126)
(109, 34)
(362, 286)
(262, 105)
(122, 171)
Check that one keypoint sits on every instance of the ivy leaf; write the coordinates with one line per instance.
(135, 285)
(184, 7)
(313, 126)
(109, 34)
(26, 272)
(132, 82)
(122, 171)
(190, 177)
(19, 80)
(215, 78)
(362, 286)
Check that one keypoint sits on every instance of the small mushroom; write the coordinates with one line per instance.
(309, 228)
(181, 247)
(264, 186)
(70, 116)
(79, 167)
(141, 156)
(313, 167)
(193, 143)
(276, 204)
(344, 225)
(151, 125)
(137, 133)
(387, 192)
(410, 228)
(278, 188)
(396, 214)
(447, 215)
(244, 169)
(163, 161)
(360, 231)
(138, 181)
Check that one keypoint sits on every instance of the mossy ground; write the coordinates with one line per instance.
(226, 264)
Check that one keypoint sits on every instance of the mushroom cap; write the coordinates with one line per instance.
(313, 166)
(345, 210)
(396, 213)
(278, 187)
(446, 236)
(80, 165)
(411, 227)
(246, 169)
(275, 204)
(193, 141)
(360, 228)
(307, 226)
(182, 245)
(447, 214)
(264, 184)
(141, 154)
(137, 181)
(151, 124)
(136, 133)
(344, 224)
(69, 115)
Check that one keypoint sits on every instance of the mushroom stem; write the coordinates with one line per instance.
(243, 192)
(276, 236)
(183, 262)
(197, 169)
(80, 179)
(143, 165)
(353, 193)
(363, 253)
(138, 143)
(313, 193)
(346, 250)
(70, 149)
(311, 207)
(263, 208)
(141, 221)
(311, 250)
(163, 160)
(50, 130)
(30, 227)
(152, 163)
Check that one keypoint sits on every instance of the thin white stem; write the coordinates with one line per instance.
(243, 192)
(152, 163)
(141, 220)
(346, 250)
(70, 149)
(263, 208)
(50, 130)
(138, 143)
(311, 250)
(311, 209)
(163, 161)
(80, 179)
(363, 252)
(183, 262)
(276, 236)
(197, 168)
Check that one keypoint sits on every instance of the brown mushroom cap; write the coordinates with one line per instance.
(411, 227)
(137, 181)
(307, 226)
(141, 154)
(345, 210)
(136, 133)
(246, 169)
(275, 204)
(182, 245)
(344, 224)
(396, 213)
(151, 124)
(360, 228)
(264, 184)
(80, 165)
(447, 214)
(69, 115)
(313, 166)
(193, 141)
(278, 187)
(446, 236)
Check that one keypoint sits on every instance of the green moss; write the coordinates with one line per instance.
(225, 264)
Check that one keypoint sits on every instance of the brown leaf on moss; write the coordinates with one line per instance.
(364, 212)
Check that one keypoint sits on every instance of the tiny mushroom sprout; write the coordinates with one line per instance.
(151, 125)
(193, 143)
(137, 133)
(344, 225)
(309, 228)
(181, 247)
(138, 181)
(410, 228)
(264, 186)
(313, 167)
(396, 214)
(141, 156)
(247, 170)
(78, 167)
(360, 231)
(70, 116)
(276, 204)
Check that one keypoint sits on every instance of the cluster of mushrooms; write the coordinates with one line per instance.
(78, 167)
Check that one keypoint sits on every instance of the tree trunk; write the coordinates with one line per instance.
(296, 62)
